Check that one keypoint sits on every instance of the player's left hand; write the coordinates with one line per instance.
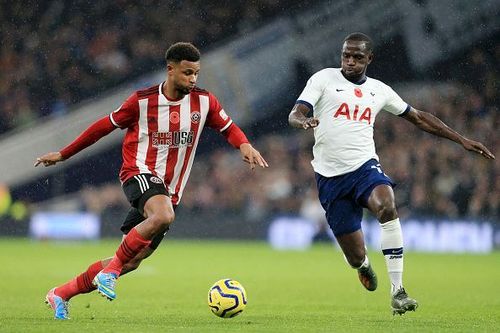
(478, 147)
(252, 156)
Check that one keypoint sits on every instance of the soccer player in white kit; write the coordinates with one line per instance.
(344, 103)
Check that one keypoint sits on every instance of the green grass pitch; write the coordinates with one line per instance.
(310, 291)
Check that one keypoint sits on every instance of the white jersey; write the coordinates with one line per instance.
(346, 113)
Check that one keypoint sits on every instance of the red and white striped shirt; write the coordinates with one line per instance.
(162, 134)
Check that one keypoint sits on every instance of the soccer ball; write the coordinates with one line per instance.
(227, 298)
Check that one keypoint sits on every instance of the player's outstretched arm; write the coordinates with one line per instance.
(432, 124)
(91, 135)
(298, 117)
(235, 136)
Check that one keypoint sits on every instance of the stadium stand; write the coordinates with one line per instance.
(55, 54)
(435, 177)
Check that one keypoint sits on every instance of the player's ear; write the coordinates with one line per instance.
(370, 58)
(170, 68)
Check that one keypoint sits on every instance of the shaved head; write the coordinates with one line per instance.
(360, 37)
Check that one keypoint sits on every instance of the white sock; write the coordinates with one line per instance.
(391, 241)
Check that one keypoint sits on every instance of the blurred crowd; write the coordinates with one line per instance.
(435, 178)
(56, 53)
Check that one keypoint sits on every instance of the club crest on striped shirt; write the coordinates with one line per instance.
(195, 117)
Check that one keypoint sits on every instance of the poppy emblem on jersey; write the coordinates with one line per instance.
(358, 92)
(195, 117)
(156, 180)
(175, 118)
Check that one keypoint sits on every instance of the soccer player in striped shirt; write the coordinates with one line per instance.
(163, 124)
(344, 103)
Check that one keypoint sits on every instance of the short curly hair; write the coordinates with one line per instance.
(182, 51)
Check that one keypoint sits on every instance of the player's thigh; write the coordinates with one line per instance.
(140, 188)
(382, 198)
(368, 181)
(159, 205)
(344, 216)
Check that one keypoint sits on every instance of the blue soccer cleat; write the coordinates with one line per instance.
(57, 304)
(105, 284)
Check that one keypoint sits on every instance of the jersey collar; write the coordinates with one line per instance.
(169, 100)
(360, 82)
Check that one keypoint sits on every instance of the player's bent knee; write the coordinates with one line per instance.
(162, 220)
(386, 211)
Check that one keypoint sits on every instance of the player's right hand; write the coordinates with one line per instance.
(310, 122)
(49, 159)
(252, 156)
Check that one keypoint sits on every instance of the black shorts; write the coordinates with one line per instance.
(138, 190)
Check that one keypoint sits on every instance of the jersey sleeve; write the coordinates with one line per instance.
(312, 91)
(217, 117)
(393, 103)
(127, 113)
